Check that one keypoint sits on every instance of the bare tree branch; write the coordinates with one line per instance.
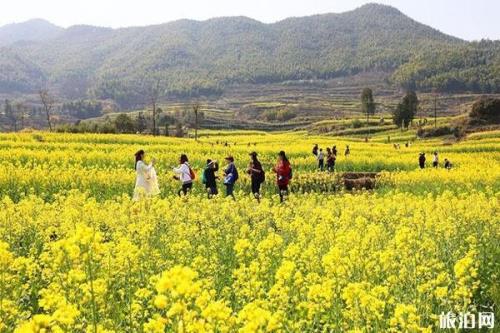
(196, 108)
(48, 104)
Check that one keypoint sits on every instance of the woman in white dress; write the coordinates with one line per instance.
(146, 183)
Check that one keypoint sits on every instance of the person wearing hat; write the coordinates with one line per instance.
(210, 178)
(230, 176)
(257, 175)
(421, 160)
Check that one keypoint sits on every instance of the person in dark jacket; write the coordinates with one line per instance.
(315, 150)
(257, 175)
(421, 160)
(230, 177)
(447, 164)
(210, 177)
(330, 160)
(334, 151)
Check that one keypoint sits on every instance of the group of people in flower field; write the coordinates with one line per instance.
(330, 157)
(147, 179)
(435, 161)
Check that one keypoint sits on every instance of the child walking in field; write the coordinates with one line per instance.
(185, 175)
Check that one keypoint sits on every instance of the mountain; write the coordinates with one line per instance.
(32, 30)
(203, 58)
(469, 67)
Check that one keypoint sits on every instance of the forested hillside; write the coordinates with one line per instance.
(469, 67)
(203, 58)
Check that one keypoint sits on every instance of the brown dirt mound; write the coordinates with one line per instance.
(360, 183)
(357, 175)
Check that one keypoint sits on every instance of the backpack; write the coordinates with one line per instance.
(204, 176)
(192, 174)
(262, 176)
(232, 175)
(236, 176)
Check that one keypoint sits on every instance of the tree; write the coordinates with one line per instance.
(21, 111)
(166, 120)
(486, 110)
(141, 123)
(154, 91)
(166, 129)
(179, 132)
(406, 110)
(9, 114)
(435, 95)
(124, 124)
(367, 104)
(48, 104)
(196, 107)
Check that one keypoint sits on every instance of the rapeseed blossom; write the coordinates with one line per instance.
(77, 254)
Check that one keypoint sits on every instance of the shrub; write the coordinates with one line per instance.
(429, 132)
(486, 109)
(356, 123)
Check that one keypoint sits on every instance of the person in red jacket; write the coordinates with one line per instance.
(283, 174)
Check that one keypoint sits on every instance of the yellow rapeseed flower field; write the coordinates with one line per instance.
(77, 254)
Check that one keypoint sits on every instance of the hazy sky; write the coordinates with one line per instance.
(468, 19)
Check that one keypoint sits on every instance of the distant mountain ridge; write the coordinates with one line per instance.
(203, 57)
(32, 30)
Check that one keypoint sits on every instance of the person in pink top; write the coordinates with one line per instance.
(283, 172)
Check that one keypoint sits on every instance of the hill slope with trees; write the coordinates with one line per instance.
(203, 58)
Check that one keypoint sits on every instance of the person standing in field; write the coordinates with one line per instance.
(185, 175)
(447, 164)
(330, 160)
(315, 150)
(435, 160)
(230, 177)
(334, 151)
(347, 151)
(210, 178)
(421, 160)
(146, 183)
(321, 160)
(257, 175)
(283, 172)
